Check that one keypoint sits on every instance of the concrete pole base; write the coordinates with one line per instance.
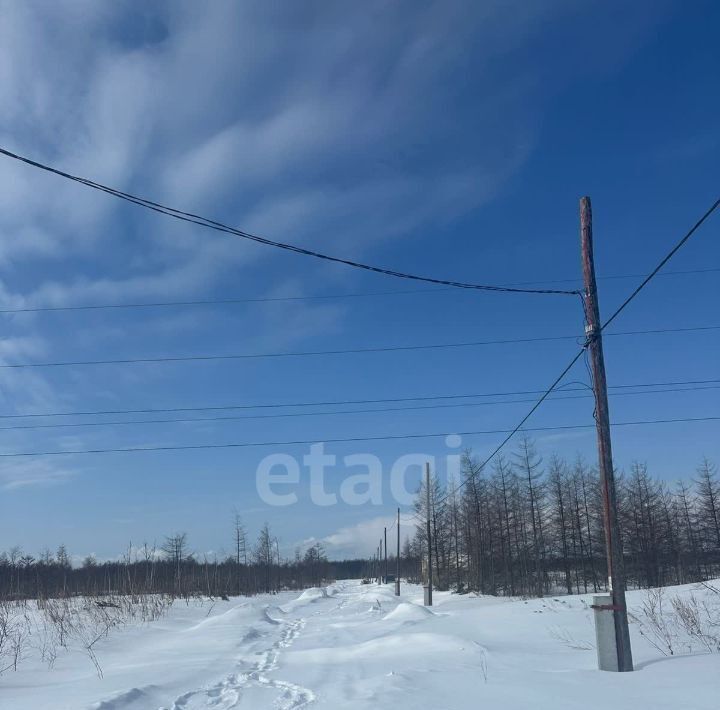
(605, 633)
(397, 587)
(427, 595)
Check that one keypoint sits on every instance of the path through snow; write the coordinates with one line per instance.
(358, 646)
(228, 692)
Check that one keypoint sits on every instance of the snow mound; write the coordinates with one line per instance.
(266, 617)
(341, 655)
(389, 647)
(309, 596)
(242, 614)
(314, 593)
(405, 611)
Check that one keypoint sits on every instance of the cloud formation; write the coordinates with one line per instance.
(291, 123)
(361, 539)
(344, 127)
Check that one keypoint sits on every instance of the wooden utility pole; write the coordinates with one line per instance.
(428, 589)
(397, 558)
(379, 580)
(613, 546)
(386, 567)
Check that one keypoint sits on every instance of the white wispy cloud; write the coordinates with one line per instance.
(23, 473)
(332, 126)
(302, 150)
(361, 539)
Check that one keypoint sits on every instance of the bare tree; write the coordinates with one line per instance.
(175, 550)
(240, 546)
(708, 488)
(263, 555)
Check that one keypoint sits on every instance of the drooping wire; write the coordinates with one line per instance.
(221, 227)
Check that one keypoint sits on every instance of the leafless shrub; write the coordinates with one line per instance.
(484, 665)
(50, 625)
(657, 626)
(711, 588)
(686, 623)
(565, 637)
(699, 620)
(13, 634)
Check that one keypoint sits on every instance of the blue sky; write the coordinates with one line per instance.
(451, 139)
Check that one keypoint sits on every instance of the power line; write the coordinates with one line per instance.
(348, 351)
(290, 415)
(218, 226)
(221, 227)
(228, 301)
(611, 277)
(335, 296)
(662, 263)
(190, 447)
(685, 384)
(579, 354)
(537, 404)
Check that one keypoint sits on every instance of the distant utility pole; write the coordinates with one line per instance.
(386, 567)
(380, 562)
(428, 588)
(616, 576)
(397, 558)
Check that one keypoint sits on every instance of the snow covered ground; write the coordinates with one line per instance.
(359, 646)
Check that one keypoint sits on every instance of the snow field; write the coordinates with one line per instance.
(349, 645)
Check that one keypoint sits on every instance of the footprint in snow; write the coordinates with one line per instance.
(227, 693)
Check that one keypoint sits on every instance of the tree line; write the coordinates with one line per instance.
(520, 527)
(529, 527)
(170, 569)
